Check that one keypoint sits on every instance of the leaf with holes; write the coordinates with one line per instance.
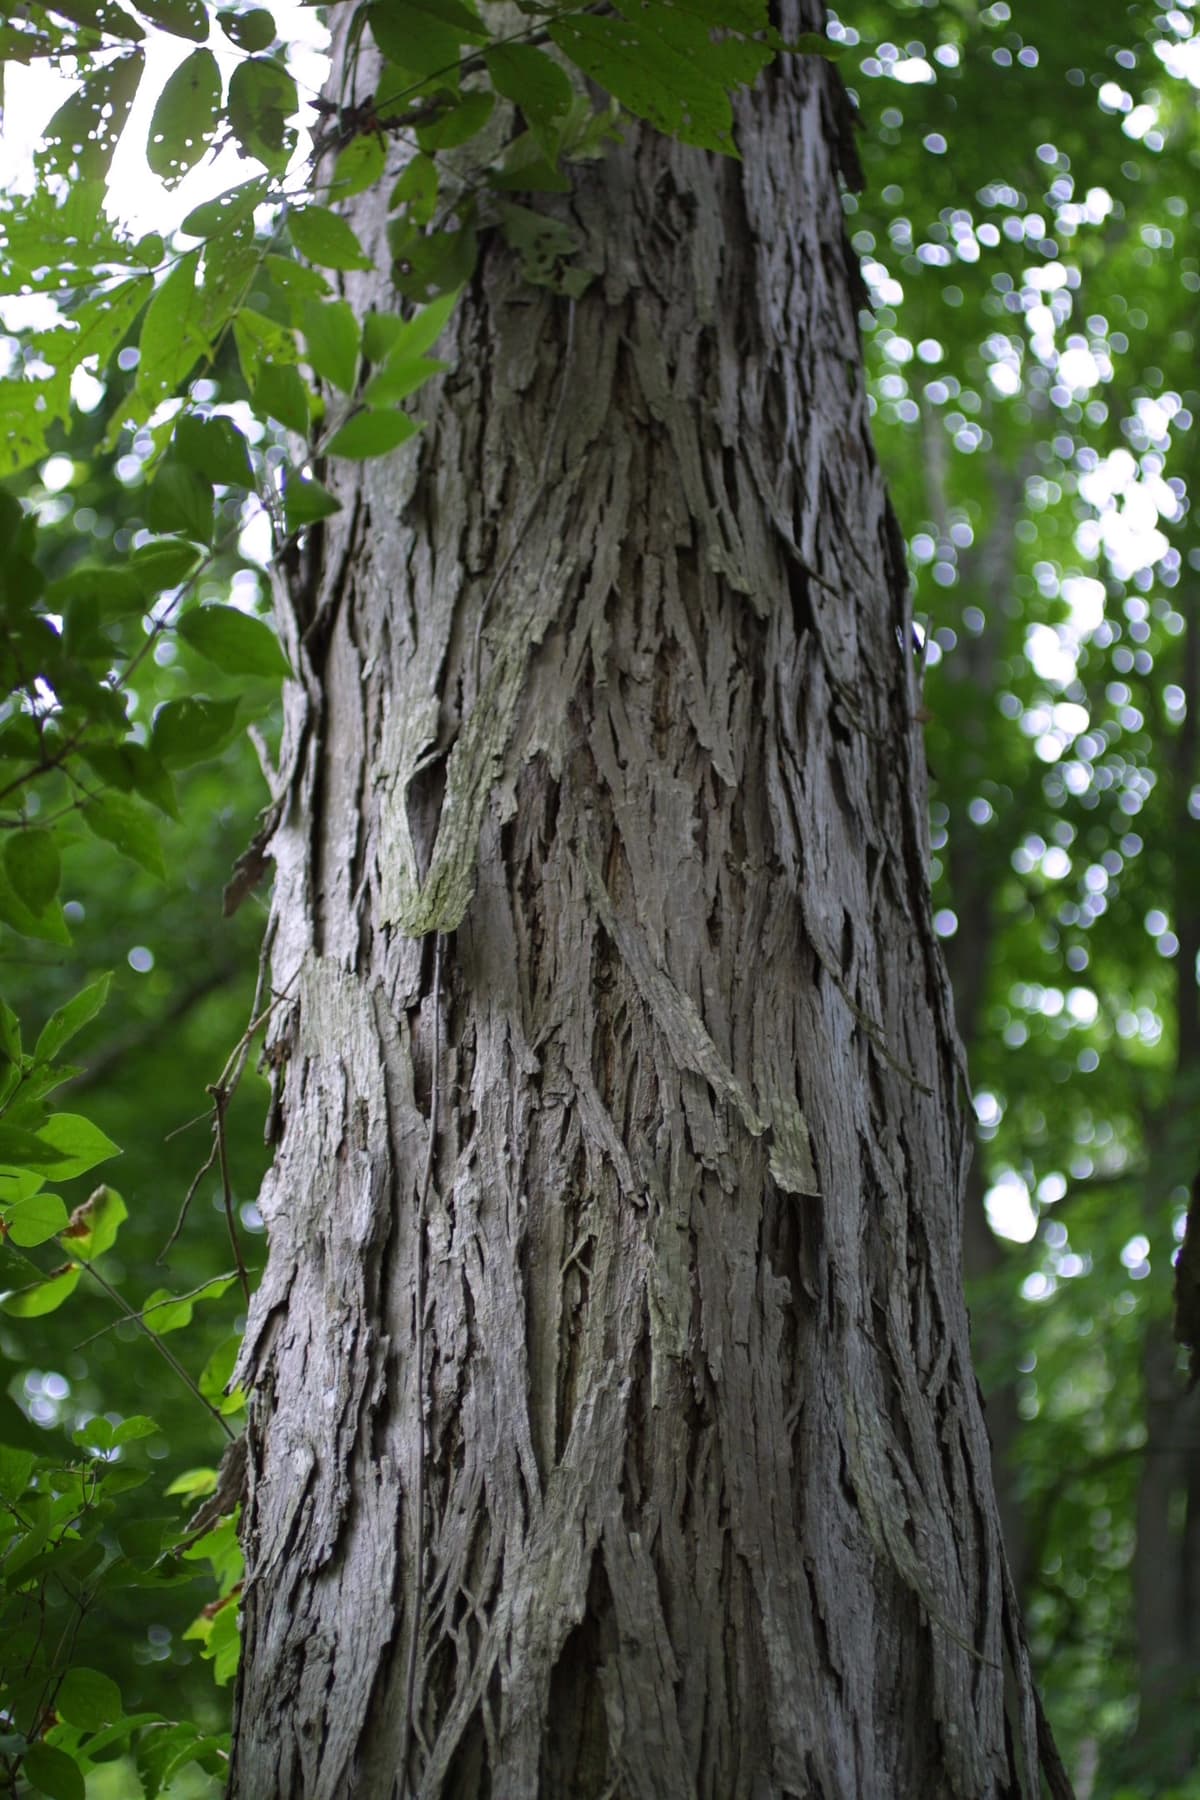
(262, 98)
(172, 338)
(84, 131)
(543, 244)
(253, 30)
(100, 15)
(662, 64)
(228, 210)
(182, 18)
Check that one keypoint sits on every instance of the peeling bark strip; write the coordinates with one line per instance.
(705, 1507)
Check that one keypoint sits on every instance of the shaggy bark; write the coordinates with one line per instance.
(613, 1428)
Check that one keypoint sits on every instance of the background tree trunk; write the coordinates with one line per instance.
(613, 1428)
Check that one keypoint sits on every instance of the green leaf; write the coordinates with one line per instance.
(462, 19)
(52, 1772)
(262, 98)
(253, 30)
(326, 239)
(10, 1037)
(218, 1370)
(358, 167)
(22, 430)
(434, 264)
(185, 118)
(83, 133)
(231, 265)
(372, 434)
(544, 244)
(32, 865)
(386, 335)
(305, 501)
(44, 1296)
(229, 210)
(416, 190)
(531, 79)
(132, 768)
(78, 1144)
(331, 340)
(164, 1311)
(178, 500)
(62, 1025)
(94, 1225)
(34, 1220)
(188, 731)
(381, 333)
(193, 1484)
(260, 341)
(171, 338)
(24, 1149)
(137, 1425)
(399, 378)
(100, 15)
(424, 40)
(88, 1699)
(163, 563)
(399, 345)
(295, 280)
(813, 43)
(182, 18)
(127, 826)
(17, 1184)
(279, 393)
(460, 123)
(216, 448)
(663, 66)
(16, 1467)
(96, 327)
(236, 642)
(114, 590)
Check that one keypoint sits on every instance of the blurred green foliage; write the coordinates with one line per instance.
(1028, 236)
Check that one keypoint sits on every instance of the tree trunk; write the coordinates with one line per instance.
(613, 1427)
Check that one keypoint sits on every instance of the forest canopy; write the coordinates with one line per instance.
(181, 360)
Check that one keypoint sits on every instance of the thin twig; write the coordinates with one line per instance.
(167, 1355)
(157, 1306)
(220, 1096)
(222, 1091)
